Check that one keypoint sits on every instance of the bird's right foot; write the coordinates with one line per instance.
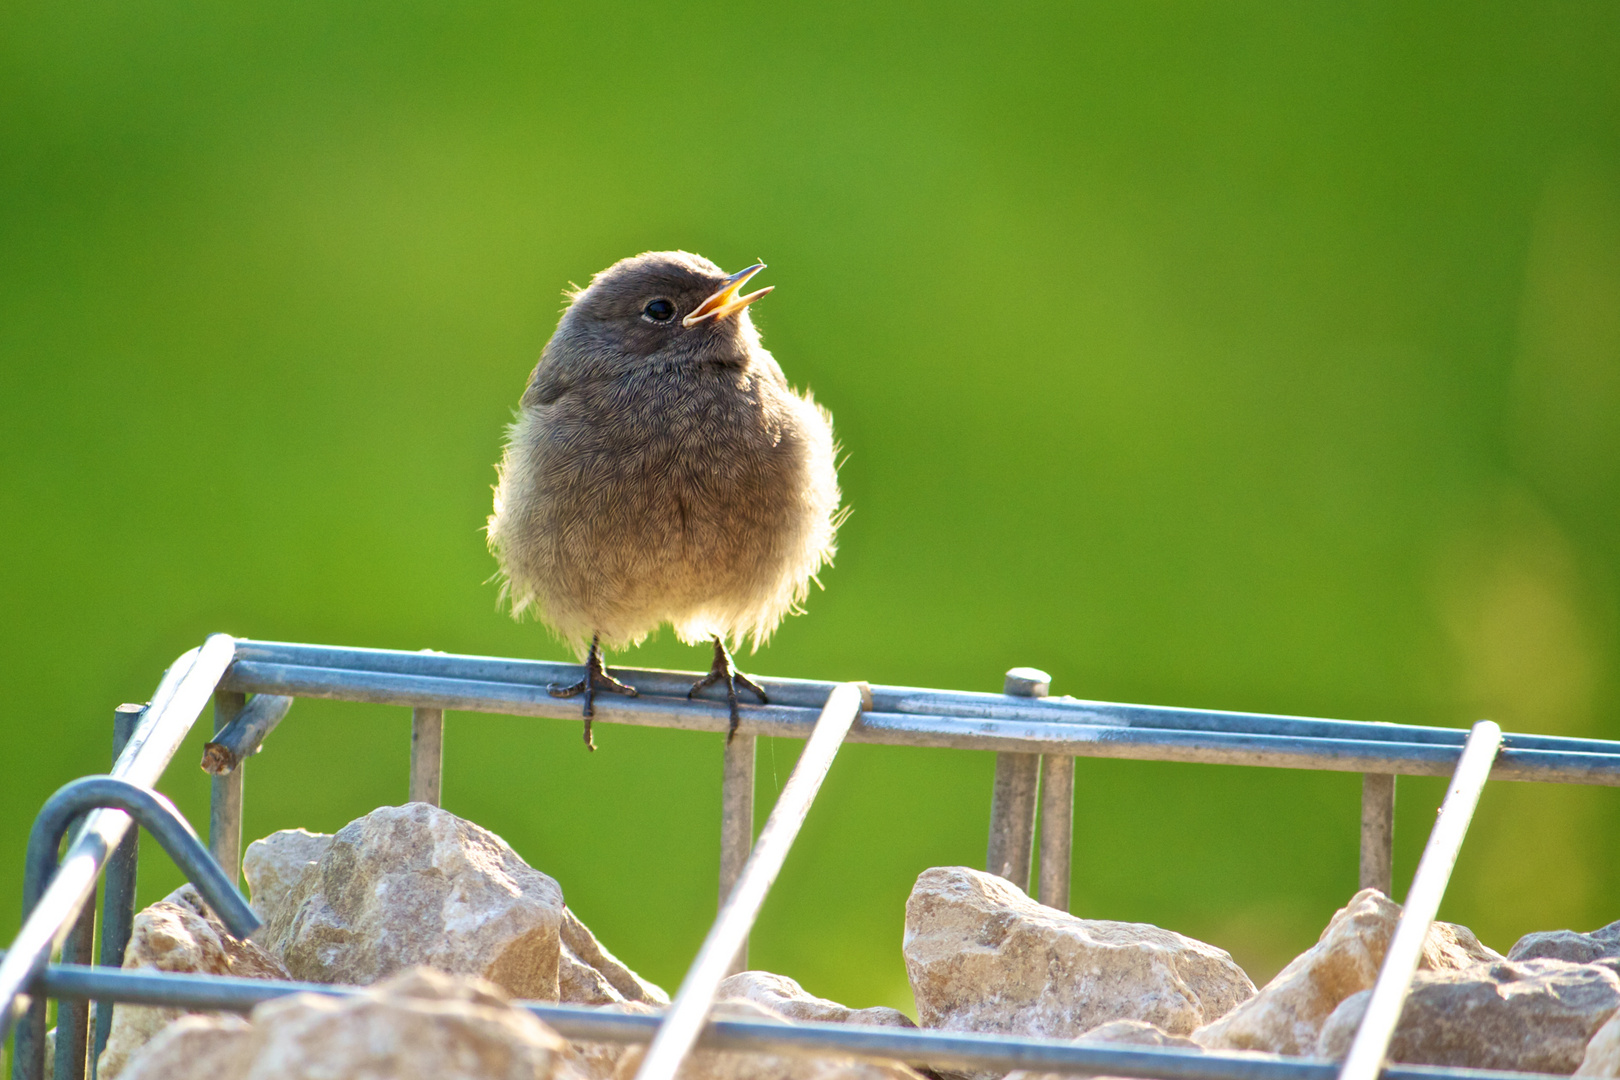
(596, 678)
(725, 670)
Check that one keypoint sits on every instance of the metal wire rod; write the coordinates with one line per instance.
(227, 790)
(1015, 793)
(427, 756)
(73, 1017)
(118, 887)
(1377, 1028)
(158, 816)
(941, 1049)
(736, 821)
(253, 656)
(185, 688)
(684, 1020)
(1048, 726)
(242, 737)
(1377, 832)
(1057, 830)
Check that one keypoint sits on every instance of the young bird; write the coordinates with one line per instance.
(661, 470)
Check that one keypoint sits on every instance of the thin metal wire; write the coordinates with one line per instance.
(1377, 832)
(684, 1020)
(1377, 1028)
(941, 1049)
(242, 737)
(256, 659)
(118, 891)
(736, 821)
(427, 756)
(907, 716)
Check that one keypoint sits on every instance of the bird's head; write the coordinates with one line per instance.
(671, 304)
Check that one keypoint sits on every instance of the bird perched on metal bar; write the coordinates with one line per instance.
(662, 470)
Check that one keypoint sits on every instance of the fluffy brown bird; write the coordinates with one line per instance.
(662, 470)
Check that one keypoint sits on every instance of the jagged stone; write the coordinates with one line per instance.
(204, 1047)
(1534, 1016)
(786, 997)
(982, 956)
(738, 1065)
(590, 975)
(418, 1025)
(416, 885)
(1602, 1057)
(274, 864)
(178, 933)
(1287, 1015)
(1601, 946)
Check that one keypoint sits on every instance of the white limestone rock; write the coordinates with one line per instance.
(197, 1046)
(786, 997)
(418, 1025)
(416, 885)
(1287, 1015)
(590, 975)
(1602, 1057)
(982, 956)
(737, 1065)
(1123, 1032)
(1601, 946)
(274, 864)
(178, 933)
(1534, 1016)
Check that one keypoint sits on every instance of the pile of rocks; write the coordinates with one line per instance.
(446, 926)
(984, 957)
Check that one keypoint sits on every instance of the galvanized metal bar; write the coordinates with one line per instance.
(258, 659)
(427, 756)
(1367, 1050)
(73, 1016)
(736, 822)
(1013, 798)
(118, 888)
(244, 736)
(685, 1017)
(180, 697)
(1057, 829)
(1377, 831)
(1048, 726)
(940, 1049)
(225, 792)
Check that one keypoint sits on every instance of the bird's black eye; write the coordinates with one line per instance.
(659, 310)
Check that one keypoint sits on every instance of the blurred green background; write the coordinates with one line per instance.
(1238, 356)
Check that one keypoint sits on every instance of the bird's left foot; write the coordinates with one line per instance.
(596, 678)
(725, 670)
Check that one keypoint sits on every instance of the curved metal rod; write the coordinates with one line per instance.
(158, 816)
(171, 830)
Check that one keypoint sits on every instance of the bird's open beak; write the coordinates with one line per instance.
(726, 301)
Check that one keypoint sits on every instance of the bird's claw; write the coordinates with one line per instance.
(725, 670)
(596, 678)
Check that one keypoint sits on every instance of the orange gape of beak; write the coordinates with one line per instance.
(726, 301)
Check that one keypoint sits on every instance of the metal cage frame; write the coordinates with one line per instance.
(1035, 736)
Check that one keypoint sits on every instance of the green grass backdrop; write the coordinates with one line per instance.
(1229, 355)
